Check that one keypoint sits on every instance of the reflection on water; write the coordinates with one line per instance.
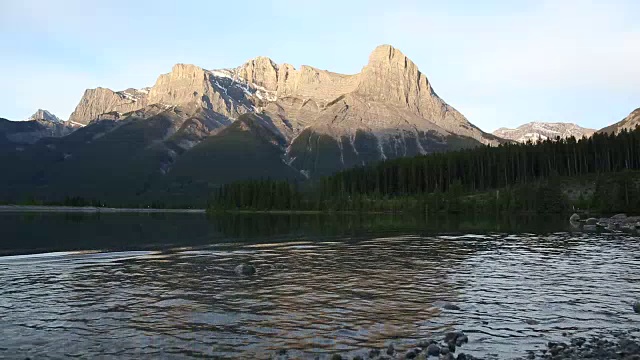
(27, 233)
(314, 294)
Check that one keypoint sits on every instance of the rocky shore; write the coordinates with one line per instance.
(614, 223)
(611, 345)
(615, 345)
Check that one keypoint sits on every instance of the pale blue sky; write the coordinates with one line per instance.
(500, 62)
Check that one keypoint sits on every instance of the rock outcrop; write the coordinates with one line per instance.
(96, 102)
(540, 131)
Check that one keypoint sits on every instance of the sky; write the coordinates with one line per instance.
(501, 63)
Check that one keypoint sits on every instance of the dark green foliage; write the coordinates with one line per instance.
(257, 195)
(506, 178)
(485, 168)
(616, 193)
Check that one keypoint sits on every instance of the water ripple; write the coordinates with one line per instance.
(515, 292)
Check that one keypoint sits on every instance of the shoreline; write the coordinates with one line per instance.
(92, 209)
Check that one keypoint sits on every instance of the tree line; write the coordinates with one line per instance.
(508, 177)
(488, 167)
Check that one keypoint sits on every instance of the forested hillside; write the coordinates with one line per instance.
(531, 177)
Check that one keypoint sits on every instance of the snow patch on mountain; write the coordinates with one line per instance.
(540, 131)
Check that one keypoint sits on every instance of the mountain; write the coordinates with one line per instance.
(45, 116)
(536, 131)
(628, 123)
(42, 124)
(195, 129)
(330, 121)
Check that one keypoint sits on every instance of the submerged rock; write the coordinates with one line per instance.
(374, 353)
(390, 349)
(449, 306)
(591, 221)
(619, 217)
(245, 269)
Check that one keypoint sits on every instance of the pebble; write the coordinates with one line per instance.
(625, 346)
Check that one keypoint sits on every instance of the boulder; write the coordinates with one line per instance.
(411, 354)
(245, 269)
(591, 221)
(462, 339)
(619, 217)
(636, 307)
(391, 350)
(574, 218)
(433, 350)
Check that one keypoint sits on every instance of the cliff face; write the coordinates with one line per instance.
(96, 102)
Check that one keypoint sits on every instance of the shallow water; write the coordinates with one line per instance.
(317, 290)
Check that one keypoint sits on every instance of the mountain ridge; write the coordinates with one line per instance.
(628, 123)
(537, 130)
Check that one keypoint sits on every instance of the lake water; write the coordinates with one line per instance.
(163, 286)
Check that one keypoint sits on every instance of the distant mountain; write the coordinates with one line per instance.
(536, 131)
(40, 125)
(196, 129)
(45, 116)
(628, 123)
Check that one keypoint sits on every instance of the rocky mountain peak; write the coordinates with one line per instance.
(391, 77)
(387, 55)
(261, 71)
(45, 115)
(389, 93)
(181, 71)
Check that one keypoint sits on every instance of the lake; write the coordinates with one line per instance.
(163, 285)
